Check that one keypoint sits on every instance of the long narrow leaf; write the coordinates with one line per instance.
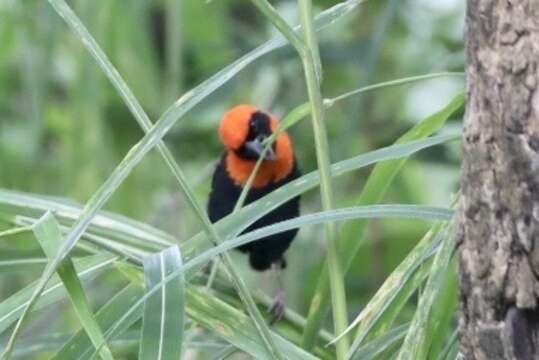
(209, 311)
(12, 307)
(47, 231)
(375, 211)
(162, 329)
(416, 344)
(312, 69)
(80, 347)
(441, 323)
(375, 188)
(382, 309)
(300, 112)
(36, 345)
(235, 327)
(13, 262)
(373, 349)
(106, 224)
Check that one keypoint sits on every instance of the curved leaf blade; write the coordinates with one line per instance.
(47, 231)
(12, 307)
(163, 319)
(377, 184)
(373, 349)
(417, 342)
(80, 347)
(384, 306)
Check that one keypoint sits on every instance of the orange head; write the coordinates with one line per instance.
(243, 130)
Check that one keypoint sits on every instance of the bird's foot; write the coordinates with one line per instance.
(278, 307)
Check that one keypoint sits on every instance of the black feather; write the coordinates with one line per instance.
(223, 198)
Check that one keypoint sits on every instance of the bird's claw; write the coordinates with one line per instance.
(278, 308)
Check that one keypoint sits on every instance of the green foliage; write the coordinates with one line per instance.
(48, 233)
(163, 319)
(67, 137)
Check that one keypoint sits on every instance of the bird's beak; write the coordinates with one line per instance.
(257, 147)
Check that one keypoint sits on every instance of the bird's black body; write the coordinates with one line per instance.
(223, 198)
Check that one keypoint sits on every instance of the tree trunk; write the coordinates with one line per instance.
(498, 235)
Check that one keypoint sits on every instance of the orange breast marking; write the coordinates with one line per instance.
(270, 170)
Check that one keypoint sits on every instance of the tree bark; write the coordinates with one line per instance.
(498, 236)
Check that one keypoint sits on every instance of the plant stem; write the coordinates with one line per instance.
(14, 231)
(174, 48)
(329, 102)
(280, 23)
(310, 61)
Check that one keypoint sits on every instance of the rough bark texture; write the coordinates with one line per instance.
(499, 217)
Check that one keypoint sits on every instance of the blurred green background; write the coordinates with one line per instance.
(63, 128)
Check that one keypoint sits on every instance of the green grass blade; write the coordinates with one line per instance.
(235, 327)
(375, 188)
(48, 233)
(379, 314)
(293, 117)
(106, 224)
(391, 83)
(300, 112)
(449, 352)
(208, 310)
(80, 347)
(442, 321)
(42, 346)
(373, 349)
(280, 23)
(163, 320)
(15, 261)
(174, 31)
(312, 69)
(15, 231)
(37, 345)
(417, 342)
(12, 307)
(94, 244)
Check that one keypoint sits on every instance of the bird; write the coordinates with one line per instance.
(243, 130)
